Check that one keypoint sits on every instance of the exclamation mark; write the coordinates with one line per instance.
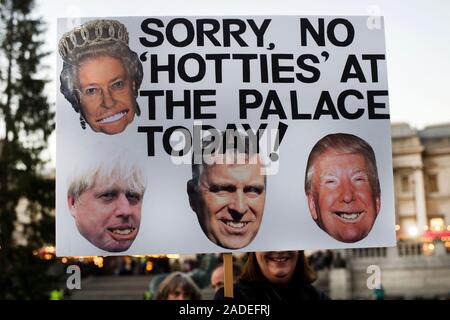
(282, 128)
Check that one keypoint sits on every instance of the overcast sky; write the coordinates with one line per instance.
(417, 39)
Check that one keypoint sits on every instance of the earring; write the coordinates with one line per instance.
(82, 122)
(138, 110)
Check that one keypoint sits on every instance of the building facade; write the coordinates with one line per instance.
(419, 266)
(421, 161)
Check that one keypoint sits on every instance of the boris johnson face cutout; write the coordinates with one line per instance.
(108, 215)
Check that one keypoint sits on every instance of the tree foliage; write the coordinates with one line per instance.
(26, 122)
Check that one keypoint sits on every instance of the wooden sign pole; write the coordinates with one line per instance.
(228, 275)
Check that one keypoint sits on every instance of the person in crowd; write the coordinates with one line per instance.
(275, 276)
(217, 276)
(178, 286)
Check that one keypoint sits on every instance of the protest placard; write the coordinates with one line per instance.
(208, 134)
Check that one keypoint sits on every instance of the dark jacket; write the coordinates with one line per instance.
(265, 291)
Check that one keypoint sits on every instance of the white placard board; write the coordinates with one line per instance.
(299, 77)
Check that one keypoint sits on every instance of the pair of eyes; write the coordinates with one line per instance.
(110, 196)
(96, 90)
(334, 181)
(217, 285)
(227, 189)
(177, 293)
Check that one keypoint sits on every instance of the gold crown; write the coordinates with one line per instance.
(92, 33)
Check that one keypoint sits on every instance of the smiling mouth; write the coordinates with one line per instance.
(115, 117)
(233, 227)
(278, 259)
(349, 216)
(235, 224)
(122, 231)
